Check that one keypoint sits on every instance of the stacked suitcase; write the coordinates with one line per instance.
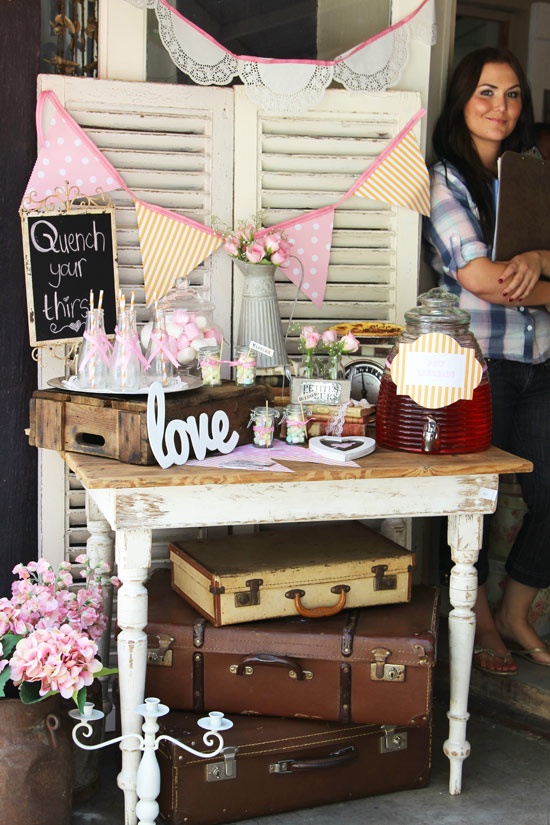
(325, 707)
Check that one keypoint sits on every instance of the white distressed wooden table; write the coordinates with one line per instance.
(133, 501)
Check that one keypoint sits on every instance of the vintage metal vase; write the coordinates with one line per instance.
(36, 766)
(260, 318)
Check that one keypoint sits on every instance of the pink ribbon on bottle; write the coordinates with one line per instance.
(133, 347)
(161, 347)
(99, 344)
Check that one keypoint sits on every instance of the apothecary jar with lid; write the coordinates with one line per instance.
(190, 325)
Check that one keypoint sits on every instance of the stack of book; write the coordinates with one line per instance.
(352, 422)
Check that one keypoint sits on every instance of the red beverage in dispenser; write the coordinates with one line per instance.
(460, 427)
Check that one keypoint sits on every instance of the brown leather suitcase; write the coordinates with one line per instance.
(312, 570)
(372, 664)
(270, 765)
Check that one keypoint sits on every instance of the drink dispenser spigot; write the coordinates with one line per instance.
(434, 395)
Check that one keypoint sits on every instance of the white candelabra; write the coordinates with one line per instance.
(148, 775)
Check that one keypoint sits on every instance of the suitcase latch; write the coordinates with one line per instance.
(247, 598)
(217, 771)
(381, 671)
(382, 582)
(161, 656)
(392, 741)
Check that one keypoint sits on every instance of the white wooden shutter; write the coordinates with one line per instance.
(289, 165)
(169, 143)
(174, 146)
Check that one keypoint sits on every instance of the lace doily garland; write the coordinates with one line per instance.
(292, 86)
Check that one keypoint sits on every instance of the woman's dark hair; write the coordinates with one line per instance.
(453, 142)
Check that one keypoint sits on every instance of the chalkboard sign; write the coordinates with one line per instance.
(68, 254)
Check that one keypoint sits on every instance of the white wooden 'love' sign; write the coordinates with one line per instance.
(206, 434)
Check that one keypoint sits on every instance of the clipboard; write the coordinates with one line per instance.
(523, 205)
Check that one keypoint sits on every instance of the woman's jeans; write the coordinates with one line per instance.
(520, 396)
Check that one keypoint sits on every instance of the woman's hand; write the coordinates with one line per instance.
(520, 275)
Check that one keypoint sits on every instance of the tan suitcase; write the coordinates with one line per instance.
(312, 571)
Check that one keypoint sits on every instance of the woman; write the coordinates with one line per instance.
(488, 111)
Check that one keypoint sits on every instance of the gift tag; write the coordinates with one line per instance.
(345, 448)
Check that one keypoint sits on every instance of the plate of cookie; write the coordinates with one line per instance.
(371, 332)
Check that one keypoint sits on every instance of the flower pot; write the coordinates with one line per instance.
(36, 768)
(260, 318)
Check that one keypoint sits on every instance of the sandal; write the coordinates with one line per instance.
(527, 653)
(485, 654)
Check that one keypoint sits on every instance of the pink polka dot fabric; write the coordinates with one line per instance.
(311, 238)
(67, 155)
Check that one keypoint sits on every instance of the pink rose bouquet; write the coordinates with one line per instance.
(48, 631)
(253, 244)
(338, 346)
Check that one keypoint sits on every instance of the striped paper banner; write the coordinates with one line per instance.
(171, 247)
(436, 371)
(401, 178)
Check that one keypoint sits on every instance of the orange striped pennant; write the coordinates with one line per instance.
(171, 247)
(436, 371)
(401, 178)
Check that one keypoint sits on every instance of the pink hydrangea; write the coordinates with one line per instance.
(60, 658)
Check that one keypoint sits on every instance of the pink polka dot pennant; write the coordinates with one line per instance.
(66, 154)
(311, 238)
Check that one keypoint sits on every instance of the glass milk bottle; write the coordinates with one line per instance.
(160, 358)
(93, 358)
(126, 369)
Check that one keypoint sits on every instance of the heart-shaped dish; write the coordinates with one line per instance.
(345, 448)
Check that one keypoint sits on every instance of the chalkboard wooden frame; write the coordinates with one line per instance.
(68, 254)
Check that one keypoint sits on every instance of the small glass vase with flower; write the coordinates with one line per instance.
(336, 347)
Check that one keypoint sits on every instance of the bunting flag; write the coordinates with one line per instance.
(66, 156)
(399, 176)
(311, 239)
(171, 247)
(291, 86)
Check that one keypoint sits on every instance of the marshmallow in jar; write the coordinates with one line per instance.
(189, 323)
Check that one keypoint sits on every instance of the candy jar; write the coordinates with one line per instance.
(189, 323)
(451, 408)
(127, 360)
(160, 357)
(245, 367)
(296, 418)
(263, 425)
(93, 358)
(210, 365)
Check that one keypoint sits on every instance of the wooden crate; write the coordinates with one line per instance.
(116, 427)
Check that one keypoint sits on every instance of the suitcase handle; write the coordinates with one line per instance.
(330, 761)
(270, 659)
(319, 612)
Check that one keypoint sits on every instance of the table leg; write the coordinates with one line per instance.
(464, 536)
(133, 556)
(100, 547)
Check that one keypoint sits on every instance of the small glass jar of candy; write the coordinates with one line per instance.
(245, 367)
(295, 418)
(210, 365)
(263, 425)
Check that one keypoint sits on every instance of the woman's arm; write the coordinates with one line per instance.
(514, 282)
